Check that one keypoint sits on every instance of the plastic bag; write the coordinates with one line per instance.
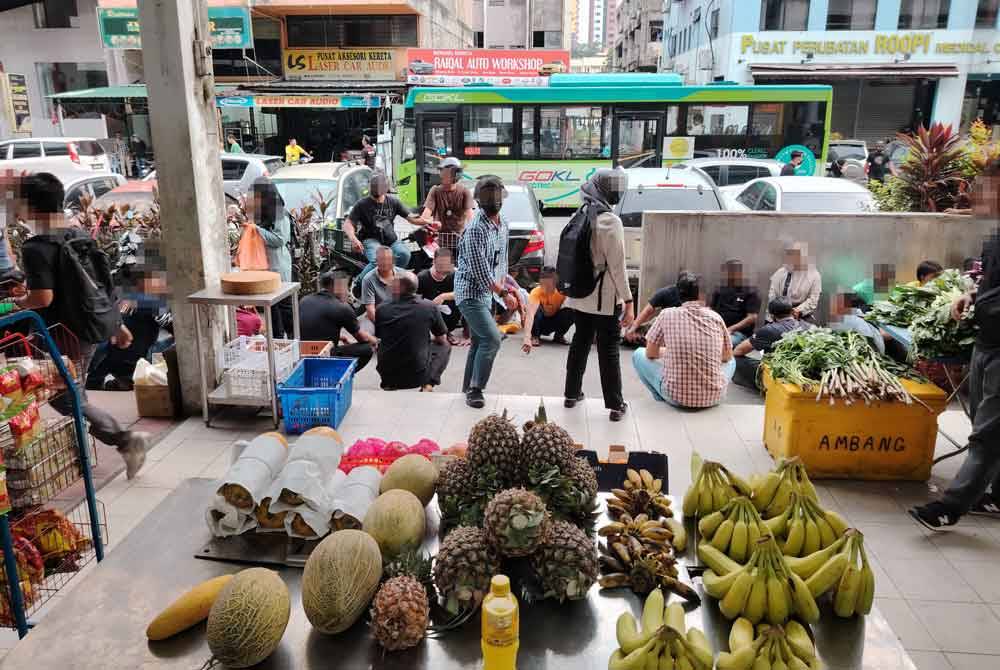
(251, 255)
(148, 374)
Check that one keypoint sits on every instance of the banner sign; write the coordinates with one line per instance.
(18, 87)
(371, 63)
(335, 101)
(509, 67)
(229, 27)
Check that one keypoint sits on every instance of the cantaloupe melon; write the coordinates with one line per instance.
(339, 580)
(248, 619)
(396, 521)
(189, 609)
(413, 473)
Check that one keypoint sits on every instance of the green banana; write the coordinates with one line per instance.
(866, 596)
(757, 600)
(698, 648)
(845, 598)
(716, 586)
(803, 600)
(738, 483)
(826, 534)
(635, 660)
(692, 496)
(736, 598)
(764, 493)
(796, 536)
(811, 542)
(627, 632)
(836, 522)
(738, 547)
(653, 657)
(777, 599)
(741, 634)
(827, 576)
(741, 659)
(805, 566)
(723, 535)
(666, 661)
(707, 525)
(799, 640)
(717, 560)
(778, 525)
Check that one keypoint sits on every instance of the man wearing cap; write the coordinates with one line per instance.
(482, 266)
(450, 203)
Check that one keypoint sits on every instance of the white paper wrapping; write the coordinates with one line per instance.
(254, 470)
(317, 519)
(312, 462)
(358, 492)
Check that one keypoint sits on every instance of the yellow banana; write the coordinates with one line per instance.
(653, 657)
(683, 662)
(676, 527)
(826, 534)
(741, 634)
(666, 661)
(811, 543)
(828, 575)
(673, 617)
(717, 560)
(738, 547)
(805, 566)
(691, 498)
(646, 478)
(796, 536)
(627, 631)
(764, 493)
(799, 641)
(652, 611)
(721, 493)
(866, 596)
(762, 662)
(753, 533)
(795, 663)
(757, 600)
(636, 660)
(717, 586)
(723, 535)
(805, 484)
(633, 478)
(777, 600)
(736, 598)
(741, 659)
(836, 522)
(805, 604)
(698, 648)
(707, 525)
(782, 499)
(657, 485)
(845, 598)
(778, 525)
(705, 499)
(739, 483)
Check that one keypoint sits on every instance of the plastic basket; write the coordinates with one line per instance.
(317, 393)
(244, 361)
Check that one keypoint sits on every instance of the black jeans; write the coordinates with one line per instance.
(746, 372)
(362, 351)
(607, 330)
(282, 321)
(557, 324)
(982, 464)
(103, 426)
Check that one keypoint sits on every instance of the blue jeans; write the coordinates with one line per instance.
(400, 254)
(485, 344)
(737, 337)
(651, 374)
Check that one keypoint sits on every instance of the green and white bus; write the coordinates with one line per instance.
(553, 137)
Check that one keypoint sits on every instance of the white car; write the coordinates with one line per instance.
(799, 194)
(81, 183)
(52, 154)
(240, 171)
(732, 171)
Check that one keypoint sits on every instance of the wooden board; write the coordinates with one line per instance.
(250, 282)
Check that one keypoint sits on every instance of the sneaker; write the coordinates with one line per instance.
(570, 403)
(474, 399)
(134, 453)
(559, 339)
(935, 515)
(618, 414)
(987, 506)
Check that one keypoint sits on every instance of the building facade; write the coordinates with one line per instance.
(638, 35)
(893, 64)
(518, 24)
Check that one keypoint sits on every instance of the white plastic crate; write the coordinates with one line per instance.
(244, 362)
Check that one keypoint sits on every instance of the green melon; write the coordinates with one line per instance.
(248, 619)
(396, 521)
(339, 580)
(413, 473)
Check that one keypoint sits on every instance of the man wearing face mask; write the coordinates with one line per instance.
(607, 310)
(450, 203)
(482, 265)
(371, 224)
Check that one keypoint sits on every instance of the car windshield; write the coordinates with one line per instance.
(826, 202)
(517, 207)
(854, 151)
(298, 193)
(665, 199)
(273, 165)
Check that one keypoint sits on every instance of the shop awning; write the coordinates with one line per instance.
(827, 71)
(123, 92)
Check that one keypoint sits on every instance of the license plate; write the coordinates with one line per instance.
(98, 166)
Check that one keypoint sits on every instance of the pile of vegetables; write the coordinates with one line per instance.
(926, 311)
(837, 365)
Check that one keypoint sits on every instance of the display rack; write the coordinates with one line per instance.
(45, 546)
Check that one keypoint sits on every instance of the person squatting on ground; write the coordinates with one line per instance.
(325, 316)
(413, 344)
(546, 314)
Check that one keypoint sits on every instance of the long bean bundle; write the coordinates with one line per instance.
(838, 365)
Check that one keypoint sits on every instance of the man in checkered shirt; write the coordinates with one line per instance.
(688, 359)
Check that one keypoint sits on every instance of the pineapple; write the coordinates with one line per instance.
(546, 445)
(566, 562)
(494, 442)
(411, 563)
(463, 568)
(464, 491)
(570, 494)
(516, 521)
(400, 613)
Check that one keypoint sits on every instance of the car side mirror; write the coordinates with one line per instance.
(541, 204)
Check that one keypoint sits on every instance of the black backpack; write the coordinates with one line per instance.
(86, 299)
(575, 264)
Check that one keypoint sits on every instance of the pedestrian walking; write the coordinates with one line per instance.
(482, 266)
(234, 145)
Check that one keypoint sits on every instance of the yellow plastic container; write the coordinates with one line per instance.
(501, 626)
(884, 440)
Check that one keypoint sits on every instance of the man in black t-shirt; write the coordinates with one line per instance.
(763, 340)
(437, 284)
(40, 204)
(371, 224)
(661, 299)
(324, 314)
(877, 163)
(737, 303)
(413, 350)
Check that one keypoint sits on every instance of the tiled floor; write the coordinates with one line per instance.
(939, 592)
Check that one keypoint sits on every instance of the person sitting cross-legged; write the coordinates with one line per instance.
(545, 313)
(763, 340)
(688, 358)
(413, 347)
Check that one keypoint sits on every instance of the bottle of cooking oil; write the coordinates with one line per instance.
(500, 626)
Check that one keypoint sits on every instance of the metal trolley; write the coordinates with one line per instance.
(89, 525)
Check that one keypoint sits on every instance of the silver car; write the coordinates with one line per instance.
(730, 171)
(240, 171)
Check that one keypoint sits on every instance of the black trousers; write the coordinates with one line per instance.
(362, 351)
(607, 331)
(558, 324)
(746, 372)
(281, 319)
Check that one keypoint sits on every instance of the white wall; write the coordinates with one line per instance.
(22, 45)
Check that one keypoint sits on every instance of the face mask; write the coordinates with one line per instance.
(490, 208)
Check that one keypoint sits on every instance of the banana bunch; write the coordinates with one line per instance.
(640, 494)
(764, 588)
(659, 640)
(734, 529)
(804, 527)
(653, 534)
(642, 570)
(787, 647)
(842, 568)
(772, 493)
(714, 485)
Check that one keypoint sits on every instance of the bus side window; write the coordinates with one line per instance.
(488, 131)
(529, 148)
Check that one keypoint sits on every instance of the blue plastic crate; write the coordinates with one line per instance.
(317, 393)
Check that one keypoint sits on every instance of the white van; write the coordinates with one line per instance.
(52, 154)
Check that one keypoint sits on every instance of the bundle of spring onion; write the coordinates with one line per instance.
(838, 365)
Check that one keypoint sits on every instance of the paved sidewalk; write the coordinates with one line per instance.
(940, 593)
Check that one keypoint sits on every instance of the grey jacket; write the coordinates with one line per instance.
(607, 247)
(279, 258)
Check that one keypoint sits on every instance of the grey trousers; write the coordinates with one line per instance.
(981, 468)
(103, 426)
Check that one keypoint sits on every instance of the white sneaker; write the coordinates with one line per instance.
(134, 453)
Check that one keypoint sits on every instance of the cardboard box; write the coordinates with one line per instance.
(315, 348)
(154, 401)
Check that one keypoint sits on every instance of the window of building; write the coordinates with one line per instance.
(618, 49)
(573, 132)
(538, 38)
(673, 45)
(696, 31)
(479, 39)
(713, 23)
(352, 31)
(656, 31)
(56, 14)
(851, 15)
(488, 131)
(266, 52)
(784, 14)
(63, 77)
(923, 14)
(986, 14)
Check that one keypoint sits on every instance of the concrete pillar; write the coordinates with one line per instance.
(188, 169)
(887, 14)
(948, 100)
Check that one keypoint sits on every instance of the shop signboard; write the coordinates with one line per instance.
(229, 27)
(337, 101)
(866, 46)
(369, 63)
(17, 85)
(504, 67)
